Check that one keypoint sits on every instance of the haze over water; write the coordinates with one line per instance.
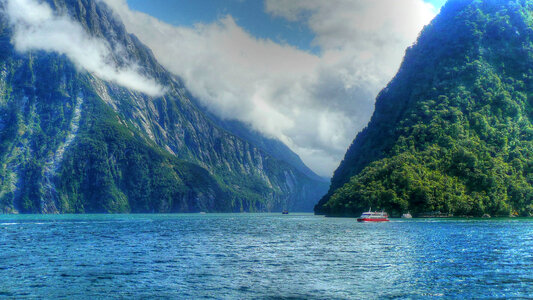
(262, 256)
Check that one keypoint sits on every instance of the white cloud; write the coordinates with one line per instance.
(36, 27)
(314, 103)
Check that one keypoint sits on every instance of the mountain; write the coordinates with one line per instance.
(452, 132)
(271, 146)
(72, 142)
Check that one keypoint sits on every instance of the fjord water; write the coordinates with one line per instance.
(262, 256)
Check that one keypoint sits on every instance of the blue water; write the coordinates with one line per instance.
(262, 256)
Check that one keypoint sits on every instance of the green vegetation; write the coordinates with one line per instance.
(132, 152)
(111, 168)
(33, 123)
(452, 132)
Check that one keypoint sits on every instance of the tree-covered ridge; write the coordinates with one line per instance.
(452, 132)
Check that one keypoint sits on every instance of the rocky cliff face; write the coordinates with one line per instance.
(72, 142)
(452, 132)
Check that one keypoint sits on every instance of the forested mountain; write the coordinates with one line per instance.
(452, 132)
(72, 142)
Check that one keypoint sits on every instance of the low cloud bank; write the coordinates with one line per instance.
(37, 27)
(314, 103)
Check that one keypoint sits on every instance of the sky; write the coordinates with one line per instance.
(250, 15)
(305, 72)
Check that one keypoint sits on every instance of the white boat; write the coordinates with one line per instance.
(372, 216)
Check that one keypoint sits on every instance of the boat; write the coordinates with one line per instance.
(373, 216)
(285, 212)
(407, 216)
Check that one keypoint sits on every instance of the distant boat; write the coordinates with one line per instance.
(371, 216)
(285, 212)
(407, 216)
(202, 212)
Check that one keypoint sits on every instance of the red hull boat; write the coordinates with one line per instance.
(371, 216)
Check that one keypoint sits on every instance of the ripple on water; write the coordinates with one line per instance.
(262, 256)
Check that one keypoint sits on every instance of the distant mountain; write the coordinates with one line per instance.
(271, 146)
(71, 142)
(452, 132)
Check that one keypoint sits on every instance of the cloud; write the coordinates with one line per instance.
(315, 103)
(36, 27)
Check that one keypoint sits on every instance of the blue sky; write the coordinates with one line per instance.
(249, 14)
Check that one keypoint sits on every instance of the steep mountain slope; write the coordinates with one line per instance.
(271, 146)
(71, 142)
(452, 131)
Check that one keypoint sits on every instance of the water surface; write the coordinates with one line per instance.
(262, 256)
